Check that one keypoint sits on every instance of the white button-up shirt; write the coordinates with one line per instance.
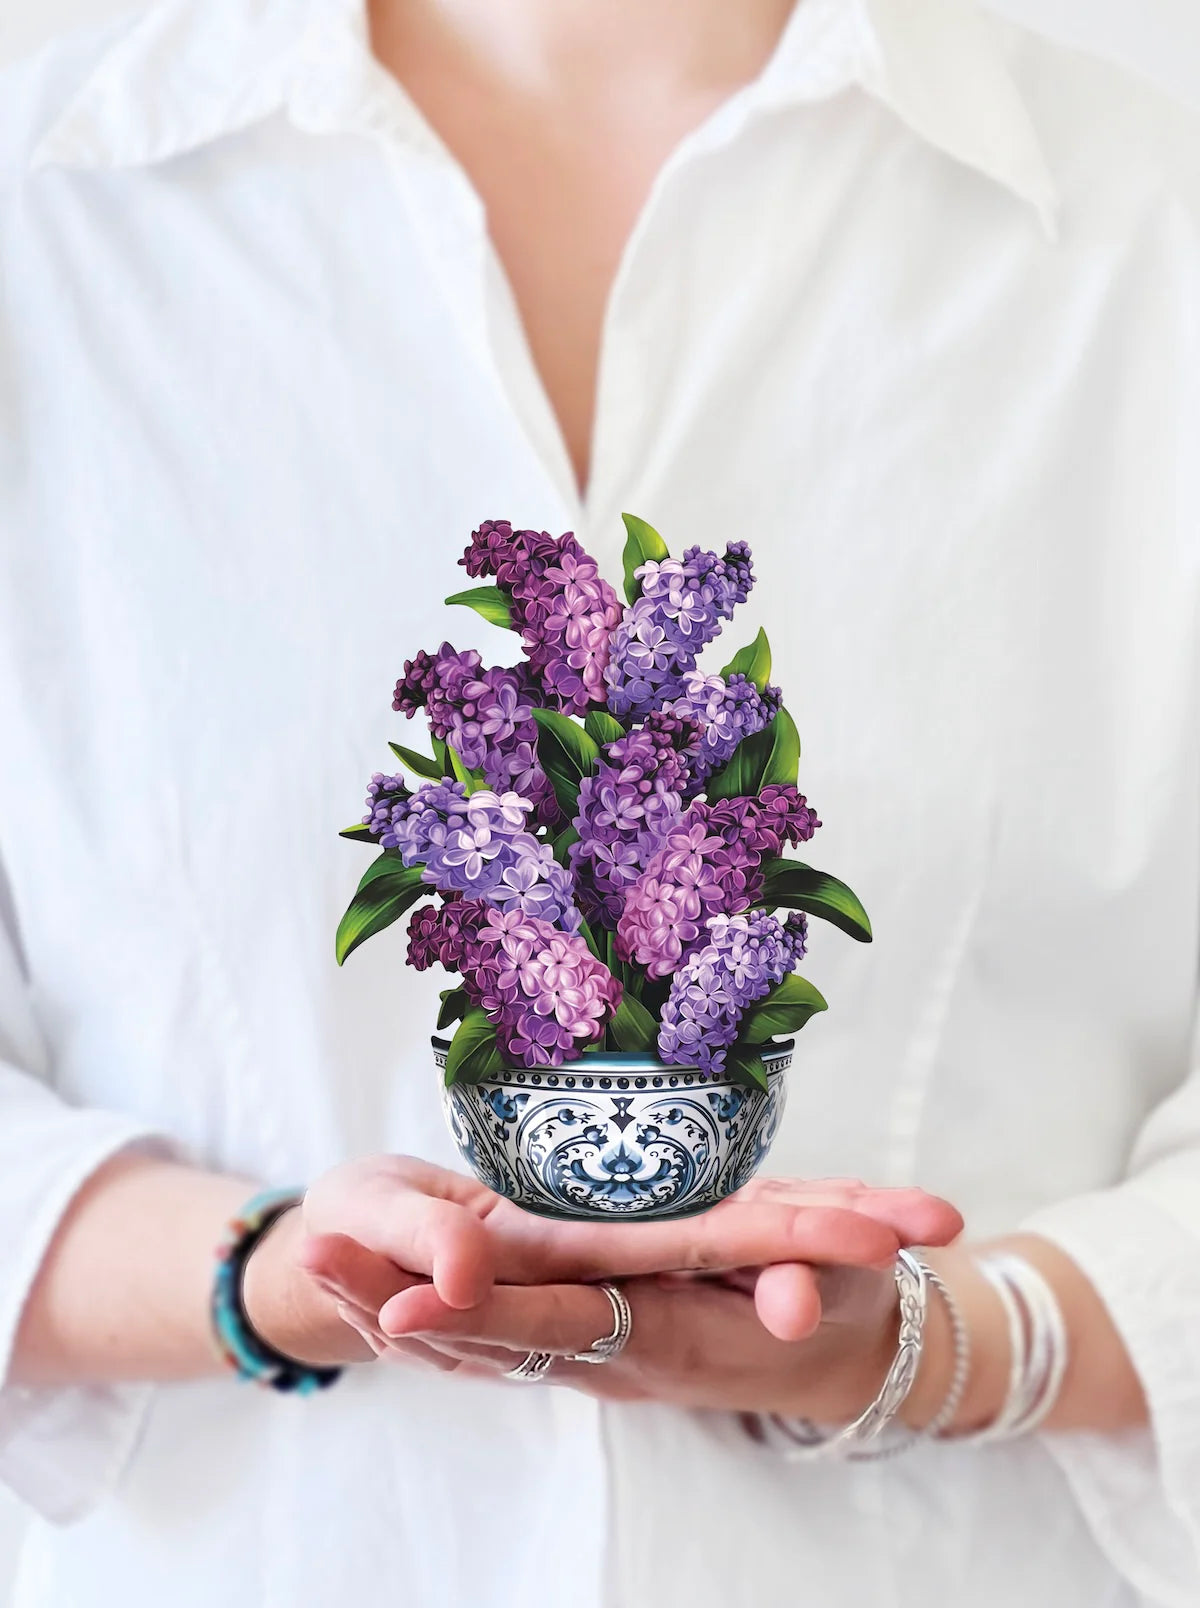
(916, 314)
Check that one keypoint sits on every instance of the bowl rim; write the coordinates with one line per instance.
(621, 1060)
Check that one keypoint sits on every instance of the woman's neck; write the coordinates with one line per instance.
(562, 112)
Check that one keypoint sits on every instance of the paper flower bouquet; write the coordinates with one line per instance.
(598, 834)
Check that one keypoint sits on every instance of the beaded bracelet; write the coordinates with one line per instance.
(247, 1353)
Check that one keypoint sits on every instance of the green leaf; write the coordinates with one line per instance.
(473, 1054)
(567, 754)
(784, 1010)
(796, 886)
(589, 938)
(783, 761)
(745, 1065)
(633, 1027)
(360, 834)
(642, 544)
(602, 727)
(771, 755)
(419, 764)
(441, 755)
(471, 779)
(560, 847)
(753, 662)
(455, 1005)
(489, 601)
(741, 775)
(388, 888)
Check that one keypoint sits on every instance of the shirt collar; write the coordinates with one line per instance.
(191, 71)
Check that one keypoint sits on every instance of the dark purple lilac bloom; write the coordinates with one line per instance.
(545, 992)
(626, 807)
(740, 959)
(485, 715)
(708, 865)
(725, 711)
(563, 608)
(680, 611)
(478, 845)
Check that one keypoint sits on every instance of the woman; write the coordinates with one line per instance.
(294, 297)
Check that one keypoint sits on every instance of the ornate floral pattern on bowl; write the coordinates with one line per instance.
(615, 1135)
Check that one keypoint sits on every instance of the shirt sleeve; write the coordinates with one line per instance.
(1139, 1244)
(60, 1448)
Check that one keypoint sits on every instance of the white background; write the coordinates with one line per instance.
(1158, 37)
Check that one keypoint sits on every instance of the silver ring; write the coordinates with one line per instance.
(536, 1365)
(610, 1345)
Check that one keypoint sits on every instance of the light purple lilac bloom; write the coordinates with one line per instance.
(545, 992)
(478, 845)
(626, 807)
(387, 797)
(485, 715)
(709, 865)
(680, 611)
(725, 711)
(740, 959)
(565, 611)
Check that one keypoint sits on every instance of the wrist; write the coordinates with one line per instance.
(287, 1309)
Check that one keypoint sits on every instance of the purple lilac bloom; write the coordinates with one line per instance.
(726, 711)
(386, 799)
(741, 958)
(477, 844)
(545, 992)
(562, 607)
(626, 807)
(680, 611)
(485, 715)
(708, 865)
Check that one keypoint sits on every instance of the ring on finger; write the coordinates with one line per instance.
(610, 1345)
(532, 1367)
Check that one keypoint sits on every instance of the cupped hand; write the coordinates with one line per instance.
(375, 1229)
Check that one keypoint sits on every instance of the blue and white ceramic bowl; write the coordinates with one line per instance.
(615, 1135)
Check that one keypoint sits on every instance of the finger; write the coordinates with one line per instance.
(549, 1317)
(365, 1326)
(422, 1218)
(788, 1300)
(916, 1216)
(735, 1233)
(341, 1264)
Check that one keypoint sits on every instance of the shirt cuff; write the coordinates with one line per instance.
(1140, 1490)
(63, 1447)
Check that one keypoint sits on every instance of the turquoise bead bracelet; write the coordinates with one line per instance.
(247, 1353)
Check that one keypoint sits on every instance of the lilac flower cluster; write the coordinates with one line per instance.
(726, 711)
(708, 865)
(387, 797)
(680, 611)
(545, 992)
(741, 958)
(478, 844)
(485, 715)
(626, 807)
(565, 611)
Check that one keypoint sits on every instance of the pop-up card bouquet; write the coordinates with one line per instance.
(596, 848)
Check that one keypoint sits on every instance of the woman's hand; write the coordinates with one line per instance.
(379, 1229)
(696, 1342)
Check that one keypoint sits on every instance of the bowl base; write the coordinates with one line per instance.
(670, 1214)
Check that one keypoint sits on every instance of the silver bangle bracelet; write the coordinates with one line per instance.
(799, 1440)
(954, 1391)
